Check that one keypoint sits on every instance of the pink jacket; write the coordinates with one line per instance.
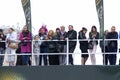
(27, 48)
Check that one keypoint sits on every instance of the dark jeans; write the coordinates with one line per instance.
(43, 50)
(112, 57)
(2, 51)
(105, 59)
(25, 59)
(44, 59)
(105, 56)
(71, 50)
(53, 59)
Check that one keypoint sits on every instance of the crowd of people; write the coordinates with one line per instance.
(44, 42)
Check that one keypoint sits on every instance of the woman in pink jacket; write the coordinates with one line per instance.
(25, 38)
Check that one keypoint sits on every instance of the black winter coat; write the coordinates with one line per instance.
(2, 44)
(71, 36)
(83, 44)
(112, 44)
(97, 37)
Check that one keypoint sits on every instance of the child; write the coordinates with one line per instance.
(36, 49)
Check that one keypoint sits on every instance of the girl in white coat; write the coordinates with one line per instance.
(11, 38)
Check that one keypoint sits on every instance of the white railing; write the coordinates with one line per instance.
(67, 53)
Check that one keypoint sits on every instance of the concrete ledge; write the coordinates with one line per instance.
(88, 72)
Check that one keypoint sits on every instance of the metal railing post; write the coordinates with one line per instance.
(32, 54)
(67, 52)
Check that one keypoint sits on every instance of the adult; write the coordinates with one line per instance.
(52, 48)
(83, 45)
(93, 35)
(2, 46)
(112, 45)
(62, 45)
(25, 38)
(104, 48)
(72, 35)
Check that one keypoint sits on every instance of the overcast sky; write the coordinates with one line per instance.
(55, 13)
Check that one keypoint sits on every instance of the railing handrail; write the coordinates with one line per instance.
(60, 53)
(66, 40)
(67, 53)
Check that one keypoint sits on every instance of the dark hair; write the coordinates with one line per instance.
(71, 26)
(12, 29)
(95, 29)
(83, 29)
(27, 27)
(105, 32)
(25, 33)
(58, 29)
(1, 30)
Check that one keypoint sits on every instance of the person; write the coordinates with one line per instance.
(93, 35)
(36, 49)
(119, 35)
(112, 45)
(19, 59)
(119, 38)
(57, 31)
(71, 35)
(11, 38)
(44, 27)
(26, 48)
(62, 45)
(2, 46)
(52, 48)
(43, 45)
(104, 48)
(83, 45)
(56, 36)
(119, 48)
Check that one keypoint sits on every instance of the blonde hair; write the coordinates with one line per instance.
(51, 33)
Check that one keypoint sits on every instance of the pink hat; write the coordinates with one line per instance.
(43, 27)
